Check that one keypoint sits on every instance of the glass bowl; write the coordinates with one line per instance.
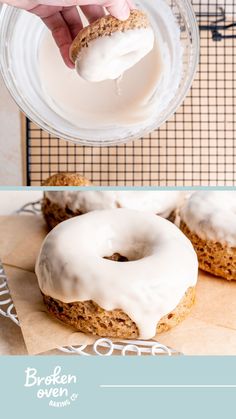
(20, 37)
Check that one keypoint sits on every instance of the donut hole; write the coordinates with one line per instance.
(117, 257)
(126, 257)
(127, 249)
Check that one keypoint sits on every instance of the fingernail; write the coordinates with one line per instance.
(124, 14)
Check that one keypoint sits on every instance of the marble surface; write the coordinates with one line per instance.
(10, 140)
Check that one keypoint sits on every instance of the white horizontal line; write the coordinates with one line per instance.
(168, 385)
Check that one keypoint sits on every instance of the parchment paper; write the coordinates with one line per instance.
(210, 329)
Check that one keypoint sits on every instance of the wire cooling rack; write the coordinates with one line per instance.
(195, 147)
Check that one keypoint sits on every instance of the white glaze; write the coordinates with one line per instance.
(144, 90)
(159, 202)
(212, 216)
(108, 57)
(162, 264)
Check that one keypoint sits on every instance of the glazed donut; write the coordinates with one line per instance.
(59, 206)
(108, 47)
(84, 284)
(208, 219)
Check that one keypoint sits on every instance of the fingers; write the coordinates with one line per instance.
(92, 12)
(66, 24)
(72, 18)
(62, 3)
(118, 8)
(25, 4)
(61, 34)
(44, 11)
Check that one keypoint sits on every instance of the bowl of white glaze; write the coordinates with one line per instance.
(22, 51)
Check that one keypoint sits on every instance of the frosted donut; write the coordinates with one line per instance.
(85, 286)
(108, 47)
(208, 219)
(59, 206)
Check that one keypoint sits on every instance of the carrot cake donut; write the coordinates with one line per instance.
(108, 47)
(59, 206)
(84, 286)
(67, 179)
(208, 219)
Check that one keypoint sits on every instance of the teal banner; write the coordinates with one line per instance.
(117, 387)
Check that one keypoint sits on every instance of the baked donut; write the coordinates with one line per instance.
(108, 47)
(85, 285)
(67, 179)
(59, 206)
(208, 219)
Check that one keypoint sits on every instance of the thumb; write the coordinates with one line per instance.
(118, 8)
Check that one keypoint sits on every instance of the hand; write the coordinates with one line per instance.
(63, 19)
